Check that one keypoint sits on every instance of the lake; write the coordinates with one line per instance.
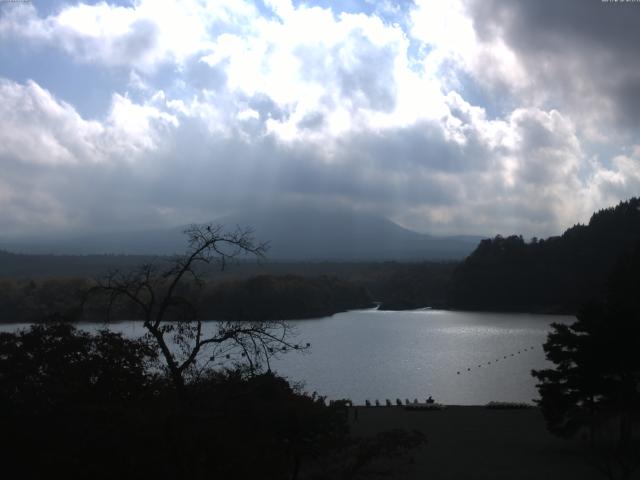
(371, 354)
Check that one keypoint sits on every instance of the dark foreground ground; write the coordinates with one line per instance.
(478, 443)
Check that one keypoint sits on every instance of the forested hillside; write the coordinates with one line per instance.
(16, 265)
(263, 297)
(267, 297)
(552, 275)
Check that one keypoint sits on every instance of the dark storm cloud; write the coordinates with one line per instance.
(547, 24)
(227, 173)
(575, 51)
(421, 146)
(628, 96)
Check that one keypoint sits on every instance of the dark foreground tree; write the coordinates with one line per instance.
(57, 366)
(594, 389)
(77, 405)
(159, 294)
(73, 403)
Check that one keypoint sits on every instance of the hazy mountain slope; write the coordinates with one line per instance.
(322, 234)
(148, 242)
(293, 234)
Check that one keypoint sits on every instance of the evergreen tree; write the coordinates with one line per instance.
(595, 385)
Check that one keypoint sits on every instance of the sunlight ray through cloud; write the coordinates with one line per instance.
(438, 115)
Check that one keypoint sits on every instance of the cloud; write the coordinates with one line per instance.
(58, 166)
(578, 56)
(351, 68)
(37, 128)
(622, 179)
(452, 47)
(143, 165)
(459, 117)
(142, 35)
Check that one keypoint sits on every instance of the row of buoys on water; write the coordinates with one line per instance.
(504, 357)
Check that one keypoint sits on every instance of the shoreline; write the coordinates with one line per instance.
(475, 442)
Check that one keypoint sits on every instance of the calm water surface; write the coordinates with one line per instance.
(370, 354)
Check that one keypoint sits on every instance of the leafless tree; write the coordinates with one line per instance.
(157, 294)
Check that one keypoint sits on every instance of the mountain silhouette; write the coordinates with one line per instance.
(316, 233)
(294, 234)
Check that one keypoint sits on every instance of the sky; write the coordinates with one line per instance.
(447, 117)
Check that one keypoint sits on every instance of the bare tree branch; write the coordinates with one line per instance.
(170, 317)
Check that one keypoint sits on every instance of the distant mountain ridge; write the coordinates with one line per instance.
(333, 234)
(293, 233)
(553, 275)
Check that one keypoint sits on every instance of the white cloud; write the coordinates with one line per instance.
(37, 128)
(447, 31)
(621, 179)
(136, 126)
(353, 69)
(140, 36)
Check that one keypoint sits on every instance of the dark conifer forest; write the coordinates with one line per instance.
(553, 275)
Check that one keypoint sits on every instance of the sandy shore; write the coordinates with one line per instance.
(479, 443)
